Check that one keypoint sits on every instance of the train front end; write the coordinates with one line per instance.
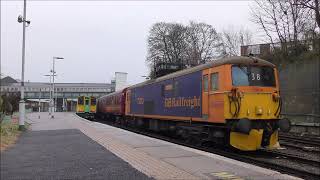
(252, 107)
(80, 105)
(93, 105)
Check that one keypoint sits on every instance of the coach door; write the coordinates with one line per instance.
(205, 95)
(128, 101)
(216, 95)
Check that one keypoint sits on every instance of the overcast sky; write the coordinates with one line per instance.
(98, 38)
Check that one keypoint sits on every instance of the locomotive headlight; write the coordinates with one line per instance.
(259, 110)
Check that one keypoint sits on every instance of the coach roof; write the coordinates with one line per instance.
(213, 63)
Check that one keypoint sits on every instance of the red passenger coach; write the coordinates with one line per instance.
(112, 104)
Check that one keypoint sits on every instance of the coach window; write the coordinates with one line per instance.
(214, 81)
(205, 83)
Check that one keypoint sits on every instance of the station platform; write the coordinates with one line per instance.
(62, 154)
(155, 158)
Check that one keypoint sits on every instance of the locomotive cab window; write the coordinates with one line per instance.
(243, 75)
(205, 83)
(214, 81)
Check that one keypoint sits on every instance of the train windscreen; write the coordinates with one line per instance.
(80, 100)
(93, 101)
(244, 75)
(86, 101)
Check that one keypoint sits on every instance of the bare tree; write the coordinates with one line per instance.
(245, 36)
(182, 45)
(313, 5)
(282, 21)
(157, 43)
(234, 39)
(166, 42)
(204, 43)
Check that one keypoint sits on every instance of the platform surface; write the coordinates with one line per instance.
(153, 157)
(62, 154)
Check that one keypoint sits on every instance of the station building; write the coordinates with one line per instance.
(38, 93)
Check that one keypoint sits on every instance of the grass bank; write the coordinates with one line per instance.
(9, 133)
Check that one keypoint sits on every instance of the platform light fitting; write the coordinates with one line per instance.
(21, 19)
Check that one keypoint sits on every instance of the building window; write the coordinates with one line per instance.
(46, 95)
(30, 94)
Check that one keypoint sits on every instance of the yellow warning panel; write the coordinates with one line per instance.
(226, 175)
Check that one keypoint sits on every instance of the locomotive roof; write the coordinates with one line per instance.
(213, 63)
(112, 94)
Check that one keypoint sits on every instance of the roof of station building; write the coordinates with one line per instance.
(41, 84)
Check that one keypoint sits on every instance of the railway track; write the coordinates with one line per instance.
(302, 147)
(279, 161)
(305, 140)
(285, 155)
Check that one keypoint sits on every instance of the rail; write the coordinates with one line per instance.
(297, 114)
(298, 119)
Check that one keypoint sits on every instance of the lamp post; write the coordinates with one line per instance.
(50, 93)
(39, 104)
(53, 74)
(22, 102)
